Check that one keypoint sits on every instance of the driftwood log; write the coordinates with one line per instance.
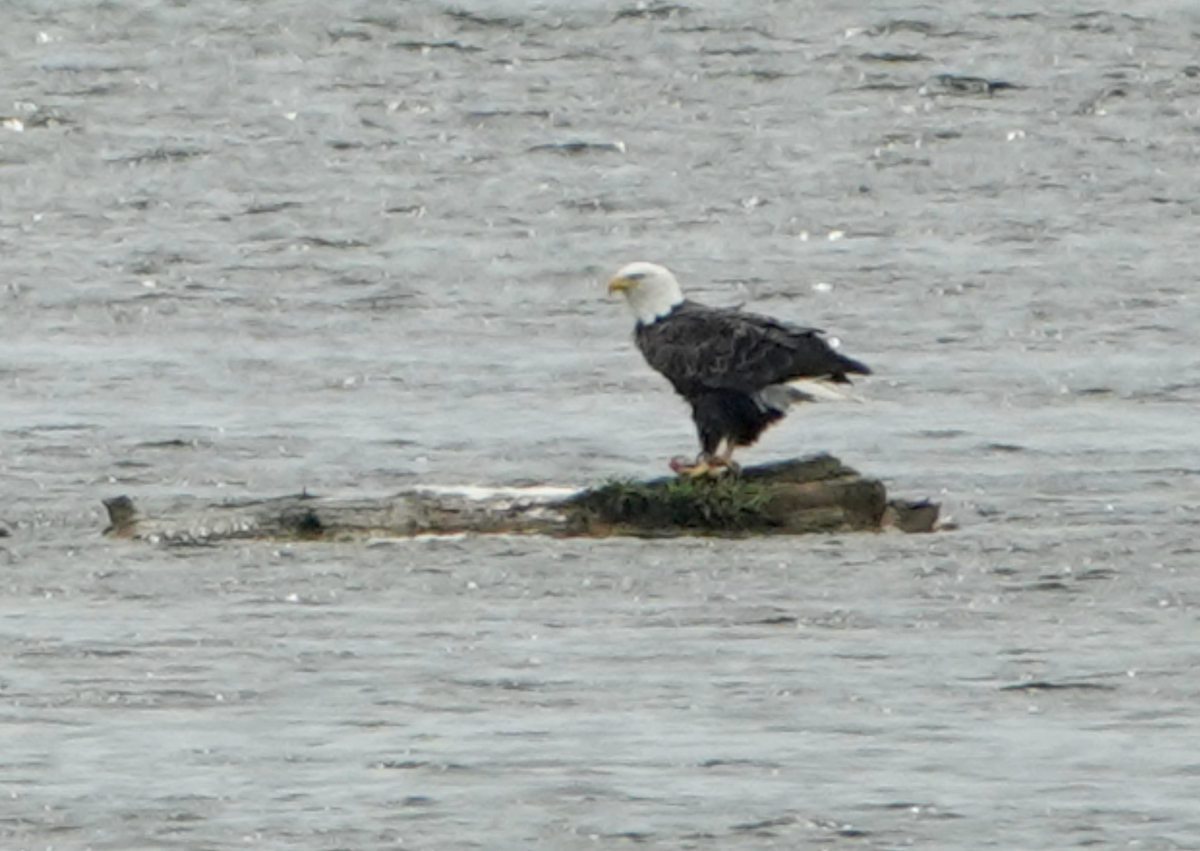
(817, 494)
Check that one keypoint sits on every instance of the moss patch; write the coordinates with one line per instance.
(728, 504)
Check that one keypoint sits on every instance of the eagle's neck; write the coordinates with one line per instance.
(652, 301)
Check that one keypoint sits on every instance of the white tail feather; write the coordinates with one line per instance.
(819, 390)
(780, 397)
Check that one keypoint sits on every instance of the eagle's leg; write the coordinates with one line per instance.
(723, 462)
(702, 466)
(717, 462)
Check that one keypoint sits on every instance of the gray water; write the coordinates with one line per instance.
(249, 248)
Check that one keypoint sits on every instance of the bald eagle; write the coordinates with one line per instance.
(735, 369)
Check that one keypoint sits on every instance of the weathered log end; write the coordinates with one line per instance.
(817, 494)
(913, 516)
(122, 516)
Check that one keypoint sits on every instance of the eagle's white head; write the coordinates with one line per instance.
(650, 290)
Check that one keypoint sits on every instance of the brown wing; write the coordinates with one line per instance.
(698, 347)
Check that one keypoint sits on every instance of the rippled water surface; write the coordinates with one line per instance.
(249, 248)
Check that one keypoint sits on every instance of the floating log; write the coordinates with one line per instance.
(817, 494)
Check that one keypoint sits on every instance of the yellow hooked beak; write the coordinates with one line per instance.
(618, 284)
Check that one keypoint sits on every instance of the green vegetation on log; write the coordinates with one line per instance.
(724, 504)
(817, 494)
